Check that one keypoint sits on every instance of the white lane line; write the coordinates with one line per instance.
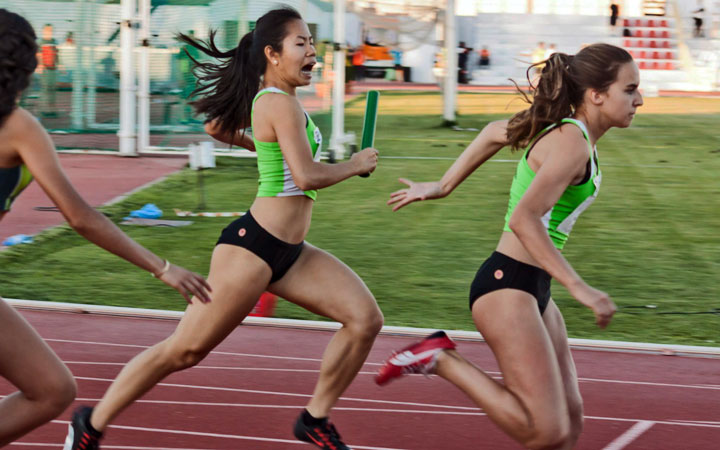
(225, 436)
(250, 355)
(704, 422)
(630, 435)
(291, 394)
(496, 375)
(296, 407)
(119, 447)
(250, 369)
(652, 383)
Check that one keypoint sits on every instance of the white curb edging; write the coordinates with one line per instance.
(585, 344)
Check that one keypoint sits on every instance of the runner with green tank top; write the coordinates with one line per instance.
(576, 99)
(255, 84)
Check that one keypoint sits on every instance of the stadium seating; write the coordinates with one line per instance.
(651, 43)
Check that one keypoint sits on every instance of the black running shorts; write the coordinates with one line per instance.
(500, 271)
(245, 232)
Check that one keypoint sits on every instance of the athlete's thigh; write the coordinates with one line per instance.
(25, 359)
(237, 277)
(510, 323)
(558, 335)
(321, 283)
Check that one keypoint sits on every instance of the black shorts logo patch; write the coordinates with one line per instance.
(241, 232)
(499, 274)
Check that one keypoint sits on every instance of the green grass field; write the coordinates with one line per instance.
(651, 238)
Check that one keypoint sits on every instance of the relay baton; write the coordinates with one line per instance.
(368, 131)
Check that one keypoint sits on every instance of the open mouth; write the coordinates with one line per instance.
(307, 69)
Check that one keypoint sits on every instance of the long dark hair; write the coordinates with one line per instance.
(561, 88)
(227, 88)
(17, 59)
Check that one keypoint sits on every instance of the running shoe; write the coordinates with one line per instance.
(81, 436)
(324, 435)
(420, 357)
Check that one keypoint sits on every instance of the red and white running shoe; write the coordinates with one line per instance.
(420, 357)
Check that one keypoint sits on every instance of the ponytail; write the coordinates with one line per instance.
(561, 87)
(226, 87)
(228, 84)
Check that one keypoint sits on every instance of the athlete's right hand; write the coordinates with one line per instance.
(187, 283)
(600, 303)
(415, 192)
(365, 160)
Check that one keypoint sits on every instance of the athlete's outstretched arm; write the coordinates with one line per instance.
(38, 153)
(287, 119)
(488, 142)
(238, 137)
(564, 164)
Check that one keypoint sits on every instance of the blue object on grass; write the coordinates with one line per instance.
(18, 239)
(149, 211)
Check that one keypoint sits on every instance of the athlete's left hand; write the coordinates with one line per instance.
(414, 192)
(187, 283)
(600, 303)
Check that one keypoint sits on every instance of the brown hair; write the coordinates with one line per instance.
(561, 88)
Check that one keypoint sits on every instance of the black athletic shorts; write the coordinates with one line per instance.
(245, 232)
(500, 271)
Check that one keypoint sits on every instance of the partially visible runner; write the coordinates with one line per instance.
(26, 152)
(255, 84)
(578, 98)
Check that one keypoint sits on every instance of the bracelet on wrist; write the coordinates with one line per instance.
(162, 271)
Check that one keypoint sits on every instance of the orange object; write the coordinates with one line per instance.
(376, 52)
(265, 306)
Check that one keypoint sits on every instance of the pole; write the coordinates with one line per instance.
(126, 133)
(451, 68)
(143, 94)
(338, 111)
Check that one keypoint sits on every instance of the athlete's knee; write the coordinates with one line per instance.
(57, 392)
(179, 356)
(366, 324)
(575, 408)
(550, 437)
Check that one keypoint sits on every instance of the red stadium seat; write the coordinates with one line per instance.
(663, 23)
(669, 65)
(655, 55)
(666, 44)
(668, 55)
(626, 23)
(638, 22)
(651, 23)
(640, 44)
(638, 33)
(642, 55)
(642, 65)
(651, 33)
(627, 43)
(665, 34)
(655, 65)
(653, 44)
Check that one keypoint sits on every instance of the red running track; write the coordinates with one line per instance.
(247, 393)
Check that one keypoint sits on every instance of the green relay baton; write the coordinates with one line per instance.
(368, 131)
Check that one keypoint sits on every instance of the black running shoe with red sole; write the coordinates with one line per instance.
(324, 436)
(80, 436)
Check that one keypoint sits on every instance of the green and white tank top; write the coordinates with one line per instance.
(559, 220)
(275, 179)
